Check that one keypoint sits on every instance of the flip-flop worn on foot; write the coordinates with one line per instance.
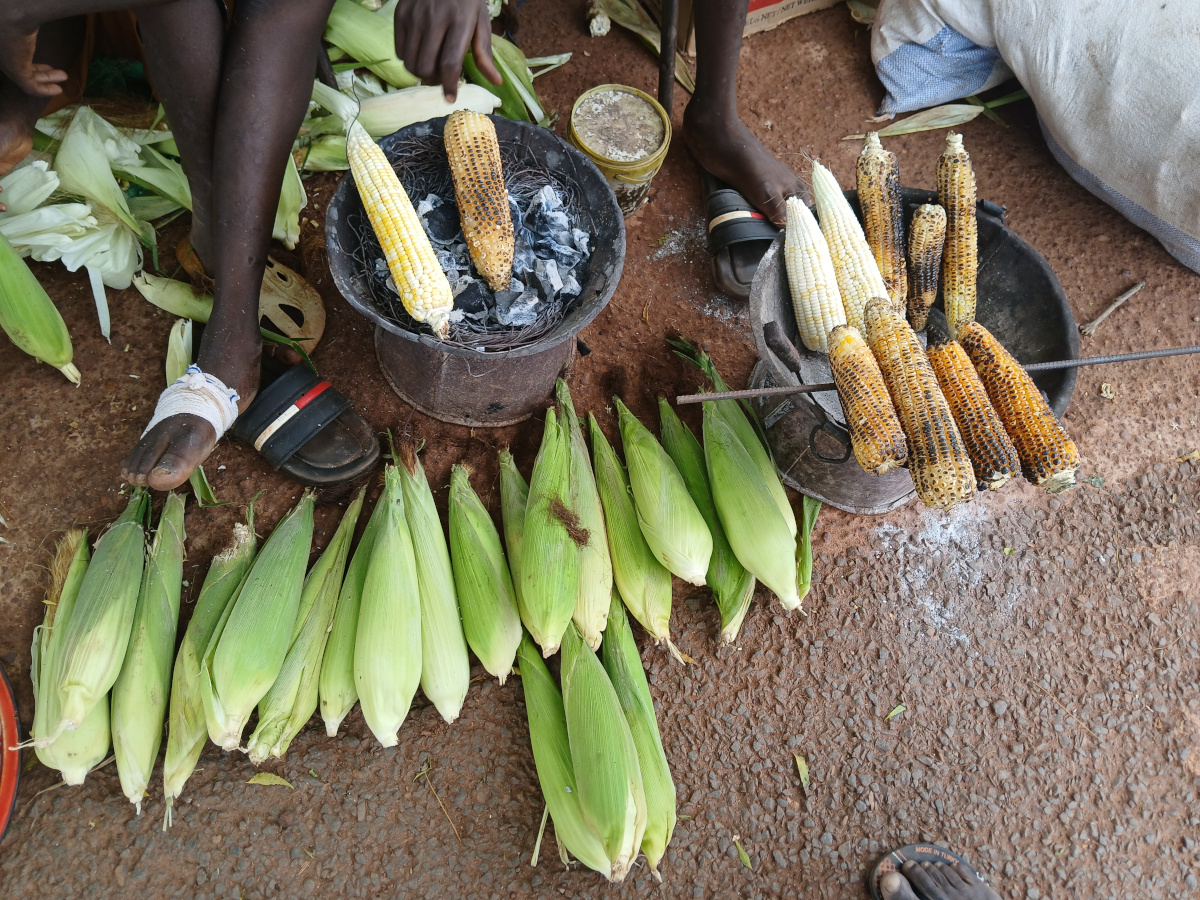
(917, 853)
(738, 236)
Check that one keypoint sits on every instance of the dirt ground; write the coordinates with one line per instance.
(1045, 650)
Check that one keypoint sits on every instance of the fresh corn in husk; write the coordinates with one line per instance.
(810, 508)
(667, 515)
(623, 664)
(731, 584)
(97, 632)
(246, 653)
(486, 597)
(445, 669)
(387, 113)
(292, 699)
(514, 499)
(387, 649)
(552, 757)
(642, 581)
(74, 753)
(603, 755)
(549, 558)
(29, 317)
(369, 37)
(595, 565)
(139, 697)
(186, 727)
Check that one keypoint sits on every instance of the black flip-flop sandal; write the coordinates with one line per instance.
(738, 236)
(307, 429)
(917, 853)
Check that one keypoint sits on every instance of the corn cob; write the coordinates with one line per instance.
(670, 522)
(878, 177)
(445, 669)
(926, 238)
(474, 155)
(486, 597)
(387, 649)
(642, 581)
(292, 699)
(858, 275)
(74, 753)
(956, 193)
(731, 584)
(552, 757)
(937, 457)
(623, 664)
(816, 300)
(419, 278)
(187, 730)
(603, 755)
(875, 432)
(552, 536)
(29, 317)
(246, 652)
(595, 565)
(1048, 455)
(97, 633)
(993, 456)
(514, 499)
(139, 697)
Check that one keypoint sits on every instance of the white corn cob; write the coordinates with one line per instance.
(816, 299)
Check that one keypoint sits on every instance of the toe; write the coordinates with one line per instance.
(895, 886)
(925, 880)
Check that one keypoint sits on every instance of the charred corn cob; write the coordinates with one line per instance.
(1048, 455)
(883, 216)
(926, 238)
(993, 456)
(956, 193)
(858, 275)
(419, 278)
(816, 299)
(937, 457)
(875, 432)
(474, 155)
(29, 317)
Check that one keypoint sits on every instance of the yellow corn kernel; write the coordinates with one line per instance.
(956, 193)
(926, 238)
(878, 176)
(474, 155)
(815, 296)
(875, 432)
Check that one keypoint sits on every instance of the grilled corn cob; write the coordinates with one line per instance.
(1048, 455)
(993, 456)
(926, 238)
(937, 457)
(875, 432)
(883, 216)
(474, 155)
(29, 317)
(816, 300)
(419, 278)
(956, 193)
(858, 275)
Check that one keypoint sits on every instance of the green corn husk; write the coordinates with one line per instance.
(731, 584)
(336, 688)
(514, 500)
(445, 668)
(671, 523)
(623, 664)
(29, 317)
(549, 567)
(756, 531)
(139, 697)
(97, 633)
(490, 617)
(292, 699)
(595, 565)
(810, 508)
(369, 38)
(642, 581)
(187, 729)
(76, 752)
(387, 648)
(603, 755)
(247, 650)
(552, 758)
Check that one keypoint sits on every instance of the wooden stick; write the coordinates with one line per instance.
(1090, 328)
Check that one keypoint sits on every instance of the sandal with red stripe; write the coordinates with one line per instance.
(307, 429)
(738, 236)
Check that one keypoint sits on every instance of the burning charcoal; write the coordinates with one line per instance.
(581, 239)
(431, 202)
(571, 287)
(517, 286)
(472, 296)
(442, 224)
(520, 312)
(546, 271)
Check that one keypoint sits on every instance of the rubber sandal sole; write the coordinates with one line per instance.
(917, 853)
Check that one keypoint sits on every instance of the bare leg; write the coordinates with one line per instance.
(718, 139)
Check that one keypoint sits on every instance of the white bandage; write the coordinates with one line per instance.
(199, 394)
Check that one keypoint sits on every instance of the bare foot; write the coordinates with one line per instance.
(935, 881)
(724, 146)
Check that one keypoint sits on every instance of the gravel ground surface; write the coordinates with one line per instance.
(1045, 649)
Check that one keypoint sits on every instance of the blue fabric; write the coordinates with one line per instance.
(943, 69)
